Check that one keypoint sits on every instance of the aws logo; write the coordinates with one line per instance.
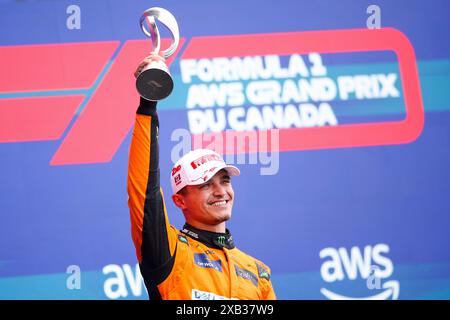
(123, 282)
(369, 264)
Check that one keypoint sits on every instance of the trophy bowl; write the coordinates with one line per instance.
(154, 82)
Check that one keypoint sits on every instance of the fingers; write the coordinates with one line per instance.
(140, 67)
(137, 72)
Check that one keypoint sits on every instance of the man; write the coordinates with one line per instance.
(200, 261)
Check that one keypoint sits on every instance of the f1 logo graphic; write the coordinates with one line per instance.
(62, 69)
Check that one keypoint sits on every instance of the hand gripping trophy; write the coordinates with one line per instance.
(154, 81)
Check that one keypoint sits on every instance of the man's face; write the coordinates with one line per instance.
(209, 203)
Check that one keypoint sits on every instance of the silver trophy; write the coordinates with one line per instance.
(154, 82)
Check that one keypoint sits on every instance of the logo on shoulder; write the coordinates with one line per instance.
(183, 239)
(248, 275)
(262, 272)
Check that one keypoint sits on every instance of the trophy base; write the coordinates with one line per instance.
(154, 84)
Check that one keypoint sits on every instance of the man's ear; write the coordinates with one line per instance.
(178, 200)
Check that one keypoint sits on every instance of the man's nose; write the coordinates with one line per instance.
(218, 190)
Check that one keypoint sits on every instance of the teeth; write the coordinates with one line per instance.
(219, 203)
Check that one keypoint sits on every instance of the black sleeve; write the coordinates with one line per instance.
(144, 178)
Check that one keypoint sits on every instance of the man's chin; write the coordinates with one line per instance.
(222, 217)
(227, 217)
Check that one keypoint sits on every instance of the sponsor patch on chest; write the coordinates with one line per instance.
(203, 295)
(203, 261)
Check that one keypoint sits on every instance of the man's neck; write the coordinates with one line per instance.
(218, 240)
(218, 228)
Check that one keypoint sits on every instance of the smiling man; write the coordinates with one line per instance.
(201, 261)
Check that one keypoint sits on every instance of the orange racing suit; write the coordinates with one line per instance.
(186, 264)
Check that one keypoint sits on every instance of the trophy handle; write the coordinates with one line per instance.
(166, 18)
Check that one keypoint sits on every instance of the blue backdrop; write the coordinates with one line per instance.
(348, 220)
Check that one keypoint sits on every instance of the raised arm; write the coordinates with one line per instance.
(154, 239)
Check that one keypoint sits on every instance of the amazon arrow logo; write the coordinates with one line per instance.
(391, 291)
